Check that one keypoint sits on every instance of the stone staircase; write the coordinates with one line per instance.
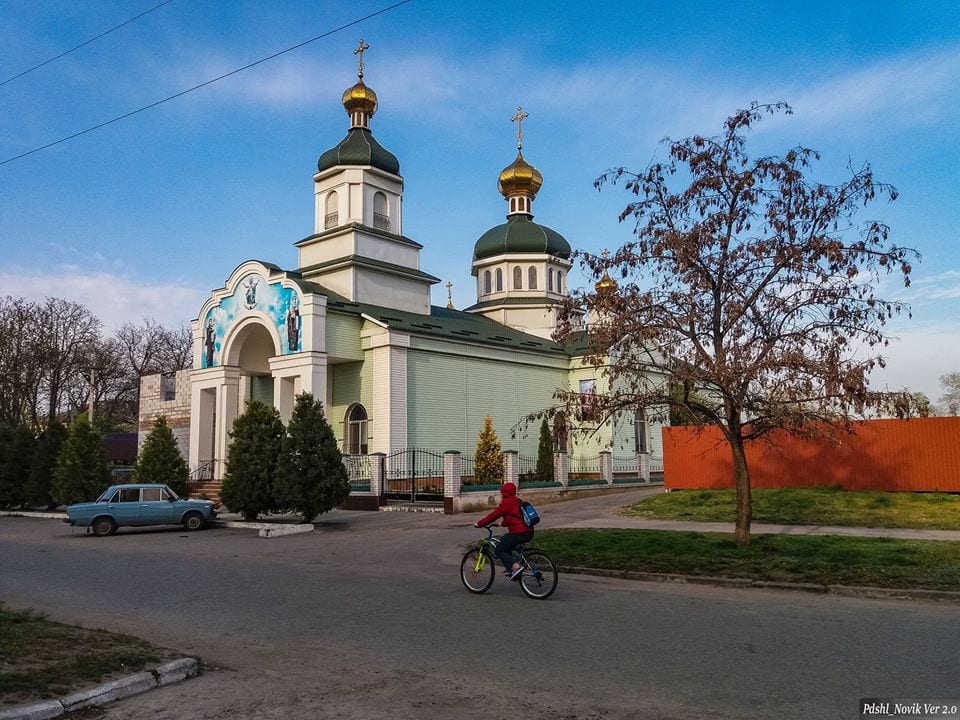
(207, 488)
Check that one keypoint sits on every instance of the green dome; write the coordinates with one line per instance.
(359, 147)
(520, 235)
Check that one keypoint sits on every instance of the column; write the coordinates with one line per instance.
(377, 462)
(643, 466)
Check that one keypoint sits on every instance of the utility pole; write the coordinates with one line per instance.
(90, 408)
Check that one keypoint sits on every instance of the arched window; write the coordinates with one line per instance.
(355, 437)
(486, 282)
(499, 280)
(532, 278)
(381, 214)
(559, 282)
(550, 280)
(332, 215)
(517, 278)
(640, 432)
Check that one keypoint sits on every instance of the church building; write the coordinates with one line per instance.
(353, 325)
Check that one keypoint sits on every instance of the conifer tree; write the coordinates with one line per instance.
(488, 463)
(544, 470)
(81, 472)
(311, 478)
(252, 461)
(160, 460)
(17, 454)
(44, 461)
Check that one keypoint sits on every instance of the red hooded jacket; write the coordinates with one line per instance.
(509, 510)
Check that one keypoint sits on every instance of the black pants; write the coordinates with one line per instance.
(506, 545)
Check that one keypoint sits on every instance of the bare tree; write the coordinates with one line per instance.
(21, 362)
(747, 298)
(950, 400)
(68, 332)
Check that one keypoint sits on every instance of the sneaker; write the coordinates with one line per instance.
(515, 573)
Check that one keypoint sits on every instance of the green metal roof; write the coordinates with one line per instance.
(520, 235)
(532, 301)
(359, 147)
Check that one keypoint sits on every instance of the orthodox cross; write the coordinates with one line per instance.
(518, 119)
(359, 52)
(449, 295)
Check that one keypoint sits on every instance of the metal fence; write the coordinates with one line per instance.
(359, 471)
(467, 470)
(585, 468)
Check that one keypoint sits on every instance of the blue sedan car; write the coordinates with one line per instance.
(143, 504)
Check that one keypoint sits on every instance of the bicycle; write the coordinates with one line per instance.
(479, 566)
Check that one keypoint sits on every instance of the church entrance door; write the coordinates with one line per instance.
(413, 475)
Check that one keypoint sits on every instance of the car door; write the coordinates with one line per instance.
(155, 508)
(124, 506)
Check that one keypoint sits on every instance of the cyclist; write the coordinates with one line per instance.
(517, 531)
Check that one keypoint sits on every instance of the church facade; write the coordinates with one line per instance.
(353, 325)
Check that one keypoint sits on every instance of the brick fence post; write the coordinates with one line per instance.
(452, 476)
(377, 461)
(561, 468)
(511, 466)
(606, 466)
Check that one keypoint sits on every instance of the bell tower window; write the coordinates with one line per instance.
(550, 280)
(517, 278)
(532, 278)
(381, 213)
(486, 282)
(499, 280)
(331, 215)
(559, 282)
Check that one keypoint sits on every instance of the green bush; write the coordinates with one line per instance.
(17, 446)
(81, 472)
(44, 461)
(252, 461)
(160, 460)
(311, 478)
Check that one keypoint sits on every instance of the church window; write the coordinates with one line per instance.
(486, 282)
(331, 216)
(550, 280)
(517, 278)
(381, 214)
(499, 280)
(532, 278)
(559, 282)
(355, 437)
(640, 433)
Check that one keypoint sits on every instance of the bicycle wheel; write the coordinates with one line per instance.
(474, 580)
(540, 575)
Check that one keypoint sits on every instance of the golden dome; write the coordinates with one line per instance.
(520, 177)
(606, 284)
(361, 98)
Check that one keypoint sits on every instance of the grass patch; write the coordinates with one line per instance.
(824, 559)
(809, 506)
(40, 659)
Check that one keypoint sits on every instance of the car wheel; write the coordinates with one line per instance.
(104, 526)
(193, 521)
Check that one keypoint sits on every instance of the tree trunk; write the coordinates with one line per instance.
(742, 480)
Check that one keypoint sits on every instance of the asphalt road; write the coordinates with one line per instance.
(366, 618)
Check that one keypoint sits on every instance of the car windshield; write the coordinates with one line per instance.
(169, 494)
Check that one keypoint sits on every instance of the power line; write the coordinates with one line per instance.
(87, 42)
(204, 84)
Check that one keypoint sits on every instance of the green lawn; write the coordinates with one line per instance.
(823, 559)
(809, 506)
(40, 659)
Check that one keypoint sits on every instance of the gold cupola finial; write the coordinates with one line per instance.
(359, 101)
(518, 119)
(606, 284)
(520, 181)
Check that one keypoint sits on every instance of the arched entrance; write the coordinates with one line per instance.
(250, 350)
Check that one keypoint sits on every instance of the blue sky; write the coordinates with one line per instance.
(146, 216)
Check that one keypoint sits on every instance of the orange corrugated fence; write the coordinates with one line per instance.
(921, 454)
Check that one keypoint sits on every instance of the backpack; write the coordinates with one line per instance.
(529, 513)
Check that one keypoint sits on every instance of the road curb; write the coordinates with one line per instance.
(947, 596)
(167, 674)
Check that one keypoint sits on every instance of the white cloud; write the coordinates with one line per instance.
(918, 357)
(113, 298)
